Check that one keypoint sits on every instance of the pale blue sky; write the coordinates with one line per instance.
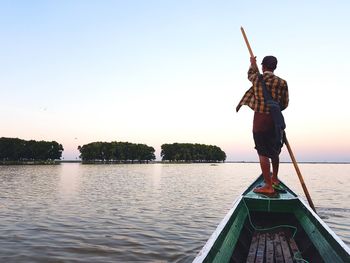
(159, 72)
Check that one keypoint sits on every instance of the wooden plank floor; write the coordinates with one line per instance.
(273, 247)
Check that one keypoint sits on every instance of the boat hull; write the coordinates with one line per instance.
(252, 213)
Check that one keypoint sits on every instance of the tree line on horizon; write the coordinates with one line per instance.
(116, 152)
(188, 152)
(18, 150)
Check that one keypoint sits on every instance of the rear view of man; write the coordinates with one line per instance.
(266, 144)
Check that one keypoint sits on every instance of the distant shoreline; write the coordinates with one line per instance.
(52, 162)
(57, 162)
(165, 162)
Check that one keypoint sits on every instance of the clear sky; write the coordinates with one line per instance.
(164, 71)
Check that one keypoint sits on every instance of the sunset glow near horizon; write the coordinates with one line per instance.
(159, 72)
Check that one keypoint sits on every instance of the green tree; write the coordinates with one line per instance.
(187, 152)
(116, 152)
(15, 149)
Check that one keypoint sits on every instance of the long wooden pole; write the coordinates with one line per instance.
(247, 42)
(248, 46)
(301, 179)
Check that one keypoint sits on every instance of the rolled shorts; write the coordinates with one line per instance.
(266, 143)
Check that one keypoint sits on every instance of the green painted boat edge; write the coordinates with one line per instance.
(317, 230)
(203, 255)
(334, 249)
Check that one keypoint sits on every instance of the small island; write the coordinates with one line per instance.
(18, 151)
(188, 152)
(116, 152)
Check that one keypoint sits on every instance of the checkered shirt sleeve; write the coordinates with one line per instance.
(254, 97)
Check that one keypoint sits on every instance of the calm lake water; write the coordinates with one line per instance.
(144, 213)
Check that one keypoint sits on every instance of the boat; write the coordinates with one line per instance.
(263, 229)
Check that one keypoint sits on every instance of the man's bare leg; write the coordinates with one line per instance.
(275, 166)
(265, 168)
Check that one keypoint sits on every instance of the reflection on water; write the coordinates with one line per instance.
(69, 181)
(155, 212)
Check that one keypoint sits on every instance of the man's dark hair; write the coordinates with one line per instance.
(270, 62)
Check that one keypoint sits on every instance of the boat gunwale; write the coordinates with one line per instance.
(203, 253)
(325, 226)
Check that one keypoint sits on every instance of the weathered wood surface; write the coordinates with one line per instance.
(285, 248)
(295, 250)
(269, 248)
(260, 253)
(273, 247)
(253, 248)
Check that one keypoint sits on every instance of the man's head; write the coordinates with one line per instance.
(269, 63)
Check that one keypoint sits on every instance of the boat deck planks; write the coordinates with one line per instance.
(295, 250)
(285, 248)
(269, 248)
(272, 247)
(253, 248)
(261, 249)
(278, 248)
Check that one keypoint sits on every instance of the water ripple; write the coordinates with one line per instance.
(135, 213)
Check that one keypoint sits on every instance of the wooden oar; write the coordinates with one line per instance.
(285, 138)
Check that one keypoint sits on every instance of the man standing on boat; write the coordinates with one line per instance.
(264, 134)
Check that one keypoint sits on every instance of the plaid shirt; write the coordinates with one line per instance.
(254, 97)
